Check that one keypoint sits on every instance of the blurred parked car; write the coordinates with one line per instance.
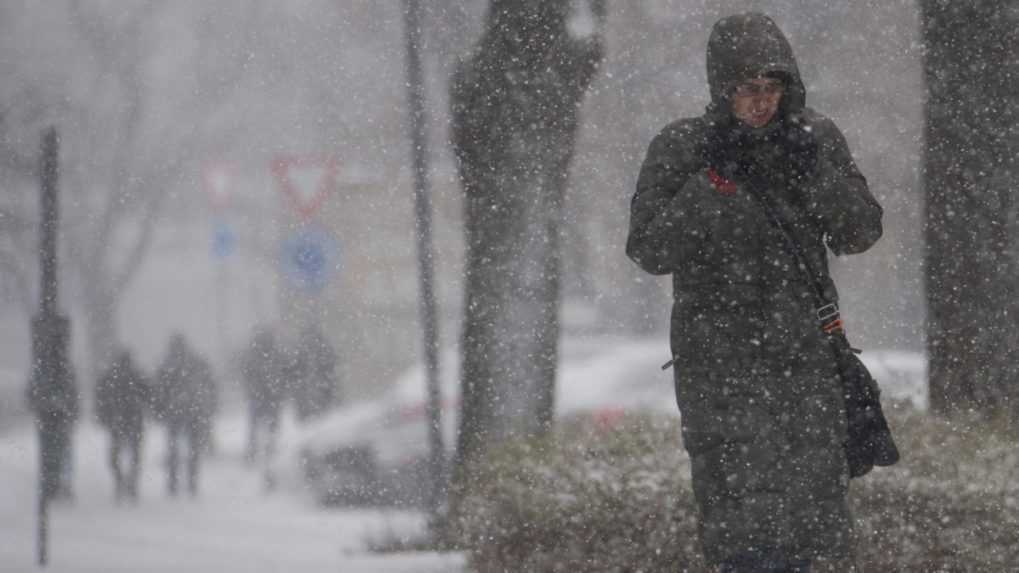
(901, 374)
(376, 451)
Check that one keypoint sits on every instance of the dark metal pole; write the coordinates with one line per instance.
(50, 214)
(42, 529)
(423, 225)
(52, 394)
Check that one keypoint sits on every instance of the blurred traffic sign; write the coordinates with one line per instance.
(309, 257)
(306, 180)
(218, 178)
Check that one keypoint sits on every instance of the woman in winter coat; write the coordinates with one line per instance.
(756, 380)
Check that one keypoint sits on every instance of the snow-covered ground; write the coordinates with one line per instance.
(233, 525)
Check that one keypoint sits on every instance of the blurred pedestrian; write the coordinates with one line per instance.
(315, 382)
(187, 399)
(739, 205)
(53, 397)
(263, 369)
(122, 396)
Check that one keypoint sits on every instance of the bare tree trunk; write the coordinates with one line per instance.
(972, 142)
(515, 105)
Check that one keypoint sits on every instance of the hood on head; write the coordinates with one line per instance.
(746, 46)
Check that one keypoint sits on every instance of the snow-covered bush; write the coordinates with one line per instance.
(607, 496)
(616, 497)
(951, 504)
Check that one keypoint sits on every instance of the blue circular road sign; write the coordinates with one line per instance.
(308, 258)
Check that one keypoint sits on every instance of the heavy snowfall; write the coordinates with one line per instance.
(279, 292)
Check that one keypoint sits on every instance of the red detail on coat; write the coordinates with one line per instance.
(833, 326)
(722, 184)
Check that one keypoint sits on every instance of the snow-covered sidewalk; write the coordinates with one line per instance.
(233, 525)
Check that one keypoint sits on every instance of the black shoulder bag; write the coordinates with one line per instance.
(869, 442)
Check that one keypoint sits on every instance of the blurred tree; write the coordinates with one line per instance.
(515, 104)
(633, 96)
(24, 113)
(971, 69)
(151, 108)
(17, 229)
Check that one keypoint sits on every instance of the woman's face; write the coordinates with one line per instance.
(755, 102)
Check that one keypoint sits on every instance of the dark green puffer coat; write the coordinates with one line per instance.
(756, 383)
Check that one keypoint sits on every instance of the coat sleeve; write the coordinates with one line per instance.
(666, 227)
(839, 197)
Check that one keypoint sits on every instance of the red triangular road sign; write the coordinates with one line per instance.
(306, 180)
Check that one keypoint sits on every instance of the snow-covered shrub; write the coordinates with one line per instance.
(607, 496)
(951, 504)
(594, 498)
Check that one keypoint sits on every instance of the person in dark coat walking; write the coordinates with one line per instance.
(52, 396)
(121, 398)
(187, 399)
(763, 416)
(264, 369)
(315, 382)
